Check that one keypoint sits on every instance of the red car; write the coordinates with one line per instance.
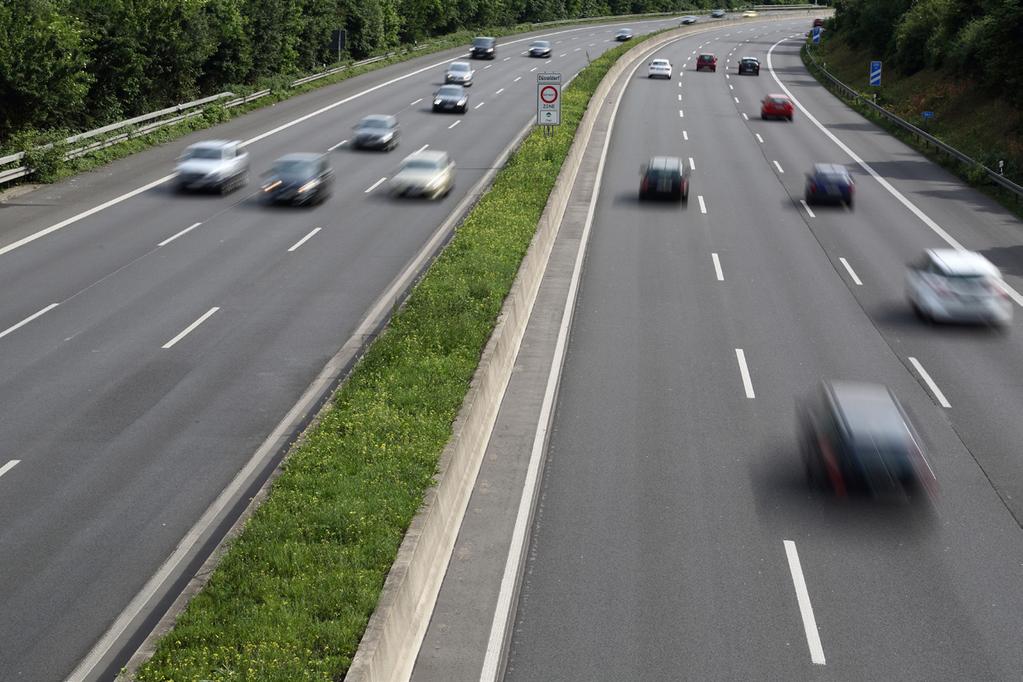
(707, 61)
(776, 106)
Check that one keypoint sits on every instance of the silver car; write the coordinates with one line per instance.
(219, 165)
(957, 286)
(460, 73)
(428, 173)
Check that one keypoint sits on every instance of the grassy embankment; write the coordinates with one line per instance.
(292, 595)
(982, 127)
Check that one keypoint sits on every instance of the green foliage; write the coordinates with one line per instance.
(44, 152)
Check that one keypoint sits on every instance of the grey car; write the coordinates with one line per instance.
(451, 98)
(377, 131)
(540, 48)
(299, 179)
(217, 165)
(717, 14)
(459, 73)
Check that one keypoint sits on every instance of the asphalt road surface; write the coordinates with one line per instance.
(676, 538)
(119, 428)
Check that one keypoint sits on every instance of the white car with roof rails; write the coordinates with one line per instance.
(218, 165)
(659, 68)
(949, 285)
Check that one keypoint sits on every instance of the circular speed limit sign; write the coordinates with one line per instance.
(549, 94)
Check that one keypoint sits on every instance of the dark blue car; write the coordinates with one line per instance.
(829, 183)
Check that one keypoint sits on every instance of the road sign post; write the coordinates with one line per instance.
(875, 73)
(548, 99)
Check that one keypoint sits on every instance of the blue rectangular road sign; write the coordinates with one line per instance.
(875, 73)
(817, 34)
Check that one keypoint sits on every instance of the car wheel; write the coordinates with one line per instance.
(790, 118)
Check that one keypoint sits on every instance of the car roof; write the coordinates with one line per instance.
(623, 30)
(428, 154)
(956, 262)
(867, 411)
(299, 156)
(538, 42)
(213, 144)
(465, 64)
(777, 95)
(664, 163)
(660, 59)
(450, 87)
(828, 168)
(391, 120)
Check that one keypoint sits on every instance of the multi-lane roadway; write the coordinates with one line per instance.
(150, 343)
(675, 536)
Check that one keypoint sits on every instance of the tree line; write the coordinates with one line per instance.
(979, 40)
(78, 64)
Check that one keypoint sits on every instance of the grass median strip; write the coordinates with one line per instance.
(292, 595)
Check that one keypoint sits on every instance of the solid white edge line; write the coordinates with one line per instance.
(759, 139)
(454, 124)
(937, 229)
(28, 319)
(185, 231)
(304, 239)
(191, 327)
(813, 638)
(703, 206)
(747, 382)
(10, 465)
(807, 207)
(717, 267)
(778, 166)
(495, 642)
(851, 272)
(377, 183)
(938, 395)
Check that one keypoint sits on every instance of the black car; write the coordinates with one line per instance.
(483, 47)
(540, 48)
(451, 98)
(749, 65)
(378, 131)
(623, 35)
(829, 183)
(299, 179)
(664, 177)
(857, 437)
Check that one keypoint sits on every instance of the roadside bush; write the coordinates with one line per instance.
(44, 152)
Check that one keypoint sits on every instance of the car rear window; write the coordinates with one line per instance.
(204, 153)
(778, 100)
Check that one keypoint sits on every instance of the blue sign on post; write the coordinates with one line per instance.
(927, 114)
(875, 73)
(817, 30)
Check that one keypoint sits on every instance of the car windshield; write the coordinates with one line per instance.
(450, 92)
(482, 42)
(459, 66)
(374, 123)
(294, 168)
(541, 43)
(204, 153)
(659, 62)
(421, 164)
(706, 57)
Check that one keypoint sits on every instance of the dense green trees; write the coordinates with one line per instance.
(979, 39)
(76, 64)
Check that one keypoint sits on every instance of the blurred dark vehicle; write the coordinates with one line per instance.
(377, 131)
(299, 179)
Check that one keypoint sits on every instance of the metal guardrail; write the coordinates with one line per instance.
(854, 94)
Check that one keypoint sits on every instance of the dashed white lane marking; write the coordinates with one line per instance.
(717, 267)
(304, 239)
(28, 319)
(335, 146)
(692, 164)
(680, 97)
(185, 231)
(10, 465)
(499, 91)
(807, 207)
(479, 105)
(736, 99)
(747, 383)
(728, 77)
(681, 114)
(703, 206)
(577, 49)
(517, 79)
(453, 125)
(412, 104)
(487, 67)
(548, 61)
(533, 69)
(685, 135)
(745, 116)
(423, 148)
(778, 166)
(813, 638)
(759, 139)
(565, 54)
(376, 184)
(506, 59)
(938, 395)
(852, 273)
(190, 328)
(731, 87)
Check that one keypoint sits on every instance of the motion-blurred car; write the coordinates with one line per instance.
(688, 20)
(483, 47)
(958, 286)
(664, 177)
(451, 98)
(540, 48)
(777, 106)
(717, 14)
(749, 14)
(426, 173)
(829, 183)
(377, 131)
(707, 61)
(218, 165)
(460, 73)
(623, 35)
(749, 65)
(659, 68)
(299, 179)
(857, 437)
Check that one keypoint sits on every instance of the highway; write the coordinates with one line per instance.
(150, 343)
(675, 537)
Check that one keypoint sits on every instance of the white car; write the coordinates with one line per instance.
(427, 173)
(219, 165)
(659, 68)
(957, 286)
(688, 20)
(460, 73)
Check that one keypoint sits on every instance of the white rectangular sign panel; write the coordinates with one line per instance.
(548, 99)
